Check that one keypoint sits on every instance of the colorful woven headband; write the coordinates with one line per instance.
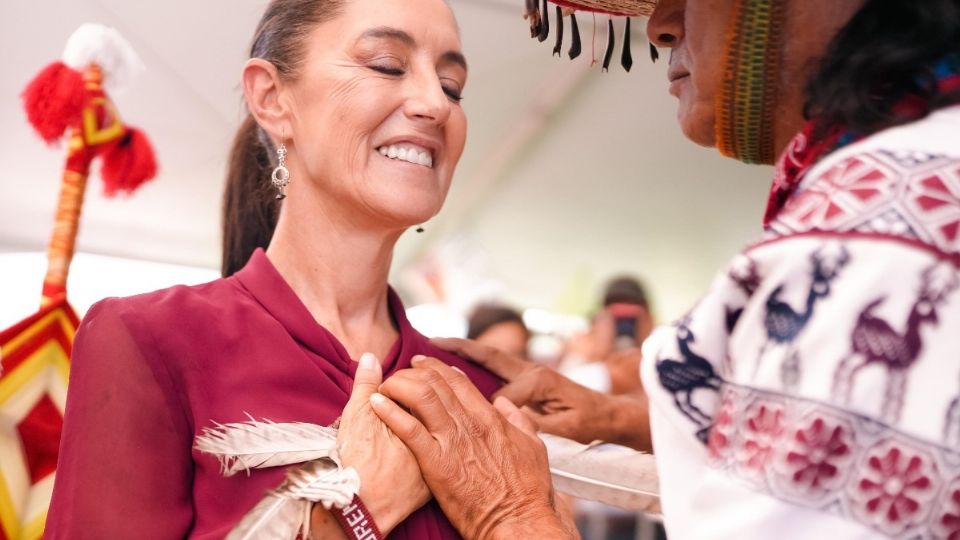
(538, 14)
(746, 103)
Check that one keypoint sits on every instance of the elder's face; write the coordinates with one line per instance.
(695, 33)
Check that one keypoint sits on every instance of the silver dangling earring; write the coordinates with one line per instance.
(281, 176)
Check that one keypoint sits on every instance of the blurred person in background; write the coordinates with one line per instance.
(606, 358)
(500, 327)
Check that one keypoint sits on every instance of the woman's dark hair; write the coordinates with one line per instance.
(250, 207)
(486, 316)
(885, 52)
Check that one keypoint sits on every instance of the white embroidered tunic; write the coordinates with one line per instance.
(814, 392)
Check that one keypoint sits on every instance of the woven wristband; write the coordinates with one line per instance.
(356, 521)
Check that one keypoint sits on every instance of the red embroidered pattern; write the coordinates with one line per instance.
(947, 521)
(764, 426)
(934, 199)
(815, 455)
(895, 489)
(796, 160)
(916, 197)
(846, 191)
(720, 434)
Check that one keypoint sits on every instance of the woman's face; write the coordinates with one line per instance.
(695, 31)
(377, 128)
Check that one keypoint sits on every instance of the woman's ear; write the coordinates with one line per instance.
(261, 89)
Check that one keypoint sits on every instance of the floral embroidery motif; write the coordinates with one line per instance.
(947, 521)
(721, 434)
(764, 426)
(895, 487)
(817, 457)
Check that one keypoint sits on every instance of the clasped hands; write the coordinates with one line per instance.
(428, 430)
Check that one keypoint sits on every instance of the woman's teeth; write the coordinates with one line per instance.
(408, 154)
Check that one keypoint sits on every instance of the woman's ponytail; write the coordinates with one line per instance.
(250, 206)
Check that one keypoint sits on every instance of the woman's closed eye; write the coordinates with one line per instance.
(452, 90)
(394, 69)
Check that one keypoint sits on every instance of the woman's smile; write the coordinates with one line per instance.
(418, 151)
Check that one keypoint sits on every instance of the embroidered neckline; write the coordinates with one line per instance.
(806, 149)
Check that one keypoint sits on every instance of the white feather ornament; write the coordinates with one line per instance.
(285, 512)
(607, 473)
(274, 518)
(242, 446)
(611, 474)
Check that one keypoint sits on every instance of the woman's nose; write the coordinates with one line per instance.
(665, 28)
(427, 101)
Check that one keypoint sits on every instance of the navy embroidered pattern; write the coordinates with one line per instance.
(682, 378)
(783, 323)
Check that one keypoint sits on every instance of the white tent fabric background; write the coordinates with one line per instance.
(570, 174)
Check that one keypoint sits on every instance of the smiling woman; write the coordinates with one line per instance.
(358, 101)
(390, 90)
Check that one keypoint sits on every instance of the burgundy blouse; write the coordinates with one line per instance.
(151, 371)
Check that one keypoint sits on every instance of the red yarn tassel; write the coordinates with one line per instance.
(128, 163)
(53, 100)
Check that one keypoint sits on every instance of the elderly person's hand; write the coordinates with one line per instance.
(559, 405)
(487, 469)
(391, 485)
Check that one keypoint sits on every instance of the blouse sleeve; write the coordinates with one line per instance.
(125, 466)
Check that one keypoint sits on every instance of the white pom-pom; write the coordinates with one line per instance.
(102, 45)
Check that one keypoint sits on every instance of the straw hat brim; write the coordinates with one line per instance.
(626, 8)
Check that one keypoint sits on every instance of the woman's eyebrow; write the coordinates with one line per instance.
(454, 57)
(396, 34)
(387, 32)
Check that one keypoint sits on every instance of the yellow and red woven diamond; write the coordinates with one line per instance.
(35, 358)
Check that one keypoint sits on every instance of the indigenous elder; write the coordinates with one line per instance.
(814, 391)
(363, 96)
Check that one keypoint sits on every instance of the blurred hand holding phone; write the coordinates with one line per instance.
(626, 321)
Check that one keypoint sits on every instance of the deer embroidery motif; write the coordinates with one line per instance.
(875, 341)
(783, 323)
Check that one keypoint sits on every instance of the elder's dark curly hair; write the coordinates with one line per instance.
(886, 51)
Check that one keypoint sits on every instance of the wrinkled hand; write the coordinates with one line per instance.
(489, 475)
(559, 405)
(391, 485)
